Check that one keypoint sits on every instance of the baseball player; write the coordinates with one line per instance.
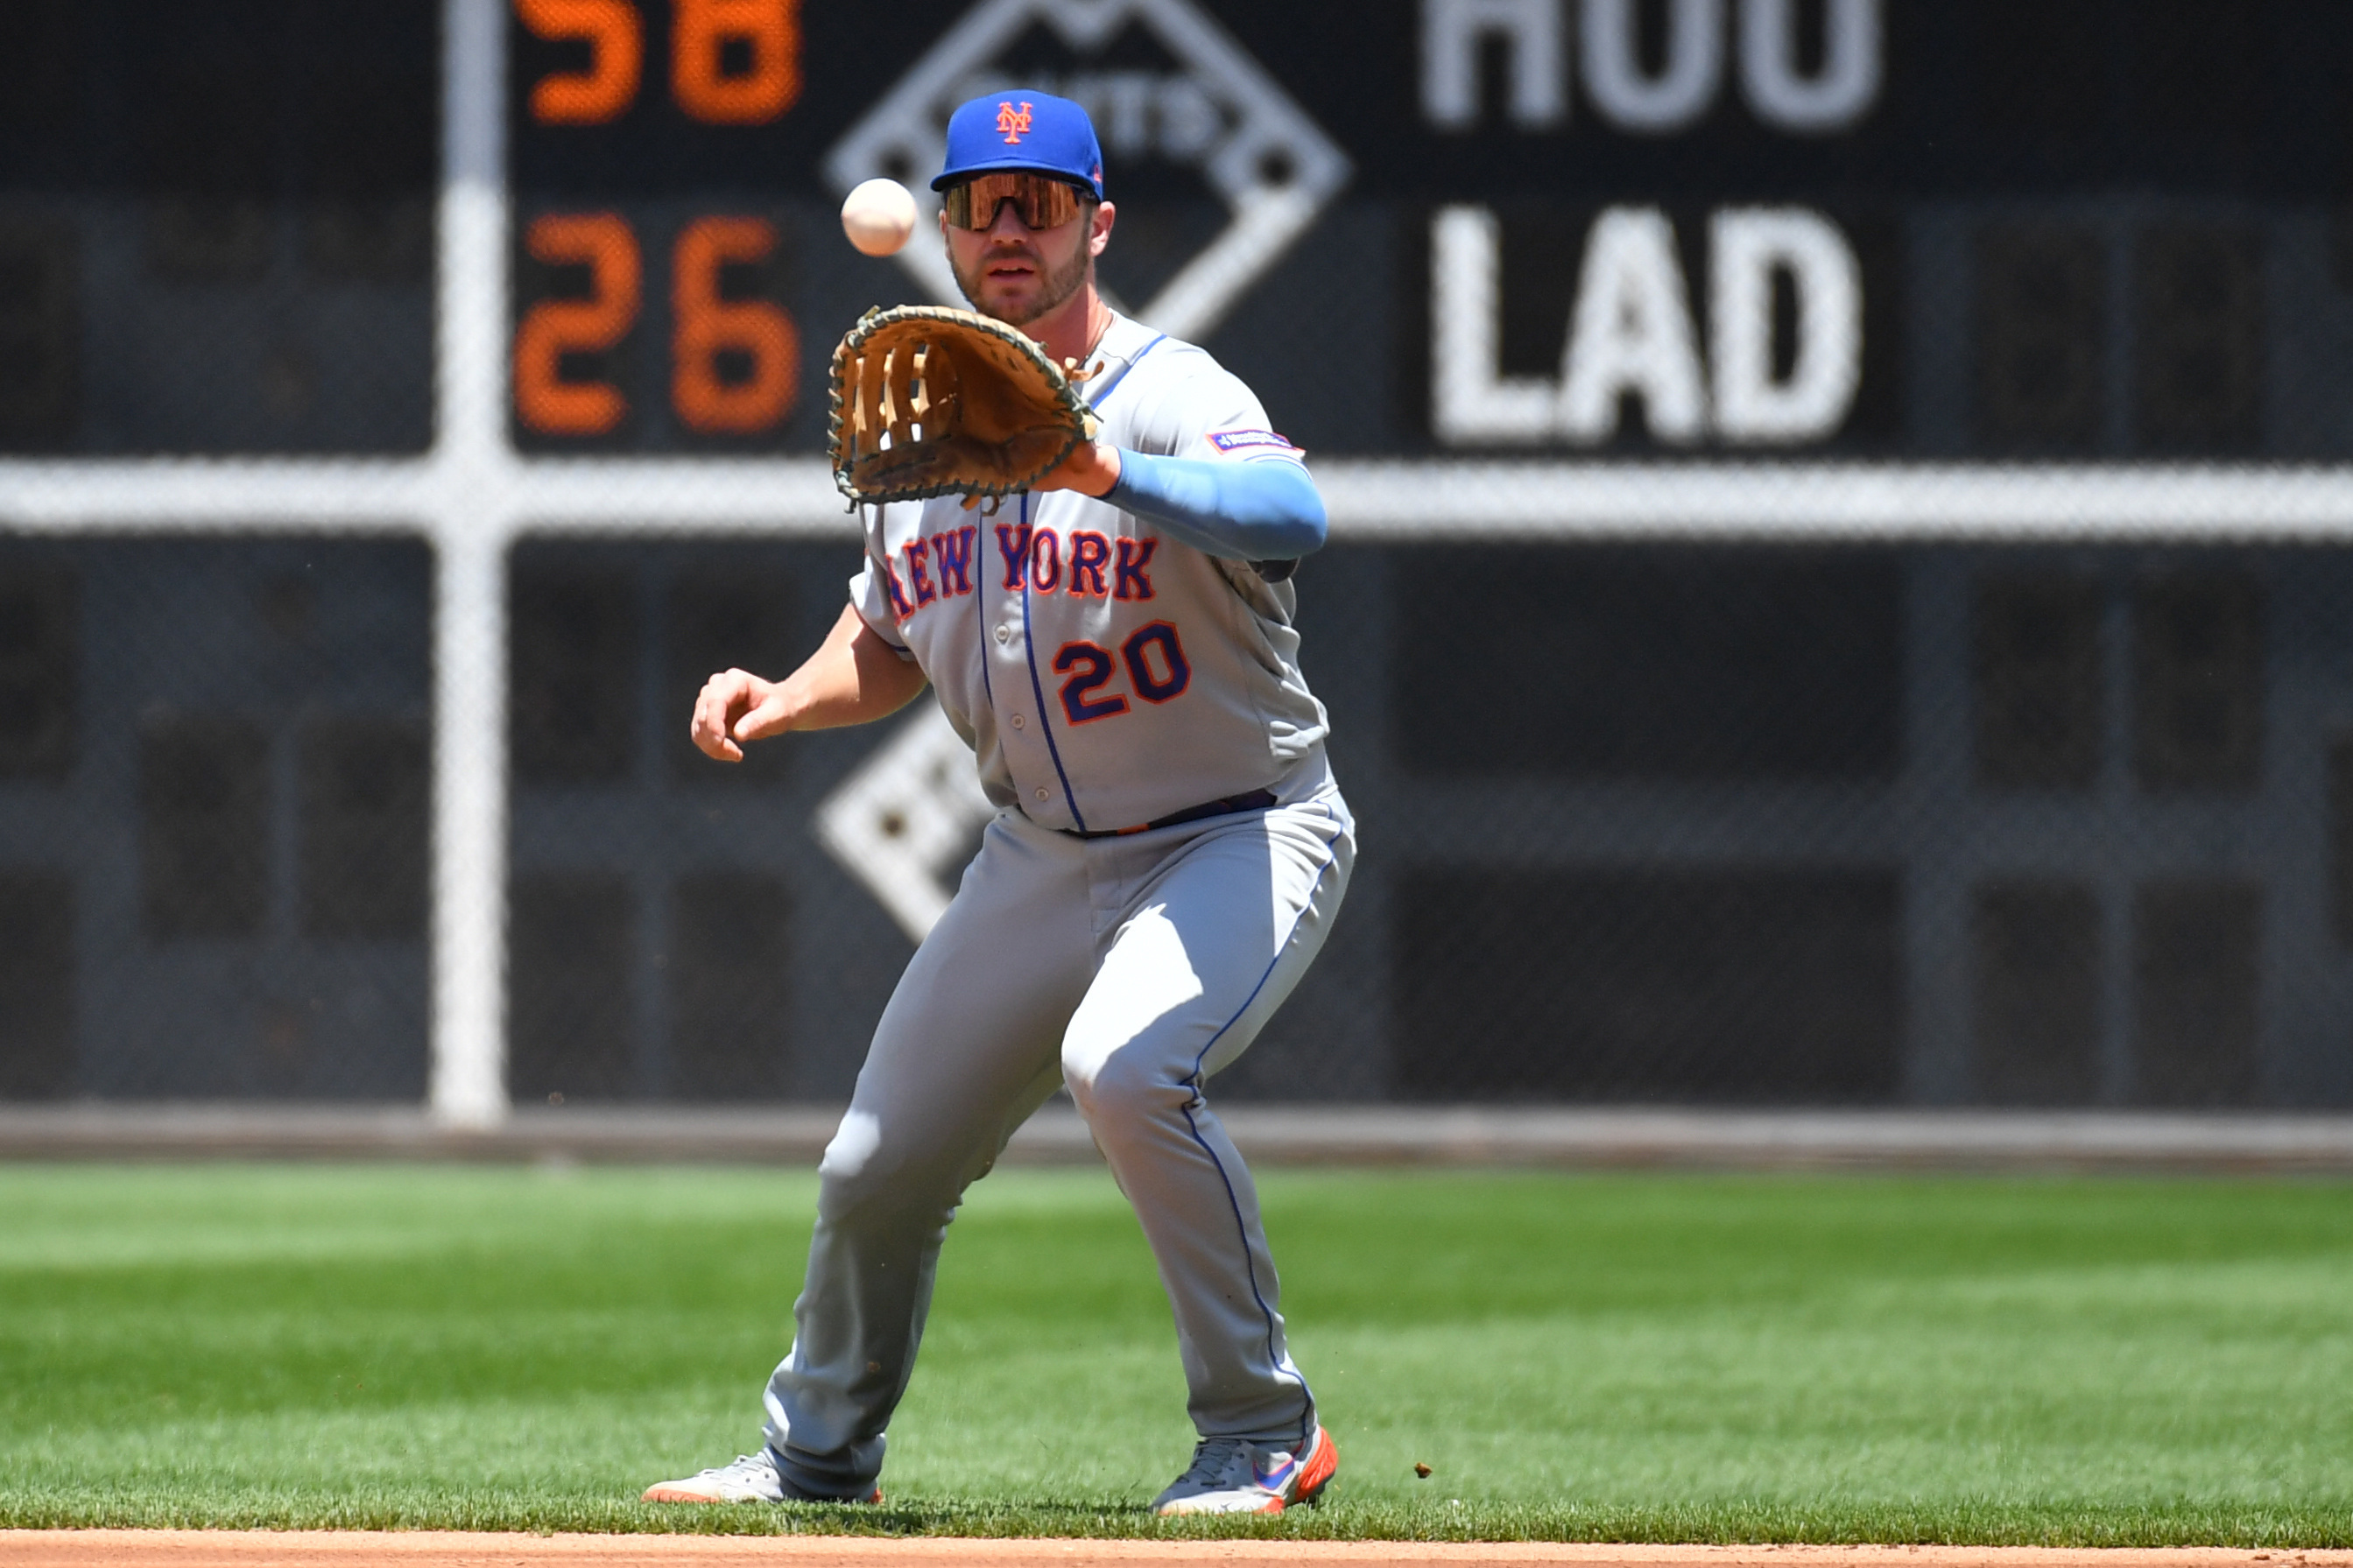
(1169, 850)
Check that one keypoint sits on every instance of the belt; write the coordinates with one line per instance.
(1255, 800)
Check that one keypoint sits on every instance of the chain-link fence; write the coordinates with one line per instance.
(1777, 650)
(217, 810)
(1866, 824)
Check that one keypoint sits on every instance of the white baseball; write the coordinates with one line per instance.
(879, 216)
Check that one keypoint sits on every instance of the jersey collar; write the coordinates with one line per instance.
(1122, 344)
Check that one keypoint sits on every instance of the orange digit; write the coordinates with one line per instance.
(709, 326)
(557, 327)
(617, 45)
(770, 29)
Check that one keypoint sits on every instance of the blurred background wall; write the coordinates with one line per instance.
(1666, 798)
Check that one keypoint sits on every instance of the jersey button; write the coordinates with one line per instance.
(1004, 634)
(1019, 721)
(1041, 794)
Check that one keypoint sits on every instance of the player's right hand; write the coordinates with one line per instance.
(735, 707)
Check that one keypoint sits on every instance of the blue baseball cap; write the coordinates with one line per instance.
(1021, 130)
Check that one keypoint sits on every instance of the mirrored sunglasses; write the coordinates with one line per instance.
(1040, 201)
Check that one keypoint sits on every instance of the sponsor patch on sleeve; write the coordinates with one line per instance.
(1243, 440)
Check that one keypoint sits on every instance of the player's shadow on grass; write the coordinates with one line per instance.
(1010, 1519)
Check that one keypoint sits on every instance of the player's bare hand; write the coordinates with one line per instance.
(736, 707)
(1091, 469)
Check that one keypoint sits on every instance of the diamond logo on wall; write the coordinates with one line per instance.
(904, 822)
(1218, 113)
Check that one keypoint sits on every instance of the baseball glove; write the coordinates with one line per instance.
(928, 401)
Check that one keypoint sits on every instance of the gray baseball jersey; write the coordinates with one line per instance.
(1105, 674)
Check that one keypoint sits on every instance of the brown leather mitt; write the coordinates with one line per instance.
(927, 401)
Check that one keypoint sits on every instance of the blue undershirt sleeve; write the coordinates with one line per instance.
(1247, 512)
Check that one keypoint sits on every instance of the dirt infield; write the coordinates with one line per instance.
(427, 1549)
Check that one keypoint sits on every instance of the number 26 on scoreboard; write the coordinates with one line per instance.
(733, 62)
(735, 364)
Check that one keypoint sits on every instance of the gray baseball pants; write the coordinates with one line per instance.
(1130, 968)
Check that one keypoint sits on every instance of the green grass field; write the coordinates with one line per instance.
(1633, 1358)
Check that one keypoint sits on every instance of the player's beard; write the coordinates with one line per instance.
(1054, 288)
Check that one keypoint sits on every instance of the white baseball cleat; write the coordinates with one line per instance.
(752, 1477)
(1230, 1475)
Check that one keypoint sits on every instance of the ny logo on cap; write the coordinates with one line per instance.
(1207, 108)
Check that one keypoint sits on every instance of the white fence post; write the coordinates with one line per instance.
(473, 495)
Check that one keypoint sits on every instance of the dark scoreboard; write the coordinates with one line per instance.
(216, 224)
(1927, 822)
(1997, 229)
